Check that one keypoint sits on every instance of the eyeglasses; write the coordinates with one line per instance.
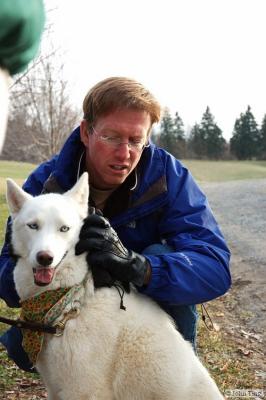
(115, 141)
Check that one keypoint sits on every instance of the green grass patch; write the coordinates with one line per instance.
(18, 172)
(15, 170)
(221, 171)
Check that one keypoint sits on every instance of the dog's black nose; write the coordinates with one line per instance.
(44, 258)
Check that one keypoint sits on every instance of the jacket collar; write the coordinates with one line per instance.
(67, 164)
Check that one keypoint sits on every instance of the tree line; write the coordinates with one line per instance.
(205, 139)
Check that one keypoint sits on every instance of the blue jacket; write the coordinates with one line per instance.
(167, 206)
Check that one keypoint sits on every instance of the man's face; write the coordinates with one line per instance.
(110, 161)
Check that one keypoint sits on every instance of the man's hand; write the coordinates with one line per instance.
(108, 256)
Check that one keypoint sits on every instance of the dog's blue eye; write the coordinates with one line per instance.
(33, 226)
(64, 228)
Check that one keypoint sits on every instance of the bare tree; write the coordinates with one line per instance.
(41, 115)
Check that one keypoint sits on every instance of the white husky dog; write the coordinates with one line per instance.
(103, 352)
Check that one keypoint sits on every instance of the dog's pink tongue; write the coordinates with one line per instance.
(44, 275)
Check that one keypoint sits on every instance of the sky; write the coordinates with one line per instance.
(189, 53)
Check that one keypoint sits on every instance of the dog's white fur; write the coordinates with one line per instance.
(105, 353)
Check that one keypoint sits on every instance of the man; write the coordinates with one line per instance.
(21, 26)
(160, 233)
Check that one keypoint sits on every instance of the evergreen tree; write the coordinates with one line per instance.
(212, 135)
(245, 141)
(197, 142)
(167, 138)
(206, 140)
(262, 140)
(179, 135)
(179, 127)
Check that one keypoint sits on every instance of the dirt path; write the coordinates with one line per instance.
(240, 208)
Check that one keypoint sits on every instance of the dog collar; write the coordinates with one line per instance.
(44, 308)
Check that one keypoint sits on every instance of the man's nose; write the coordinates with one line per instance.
(123, 150)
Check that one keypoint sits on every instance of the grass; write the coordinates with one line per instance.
(10, 375)
(218, 353)
(229, 369)
(18, 172)
(221, 171)
(15, 170)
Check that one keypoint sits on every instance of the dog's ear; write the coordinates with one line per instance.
(15, 197)
(80, 192)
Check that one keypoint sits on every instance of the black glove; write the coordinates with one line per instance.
(107, 254)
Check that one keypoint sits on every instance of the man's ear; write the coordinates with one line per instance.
(84, 133)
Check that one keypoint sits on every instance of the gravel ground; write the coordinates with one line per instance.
(240, 208)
